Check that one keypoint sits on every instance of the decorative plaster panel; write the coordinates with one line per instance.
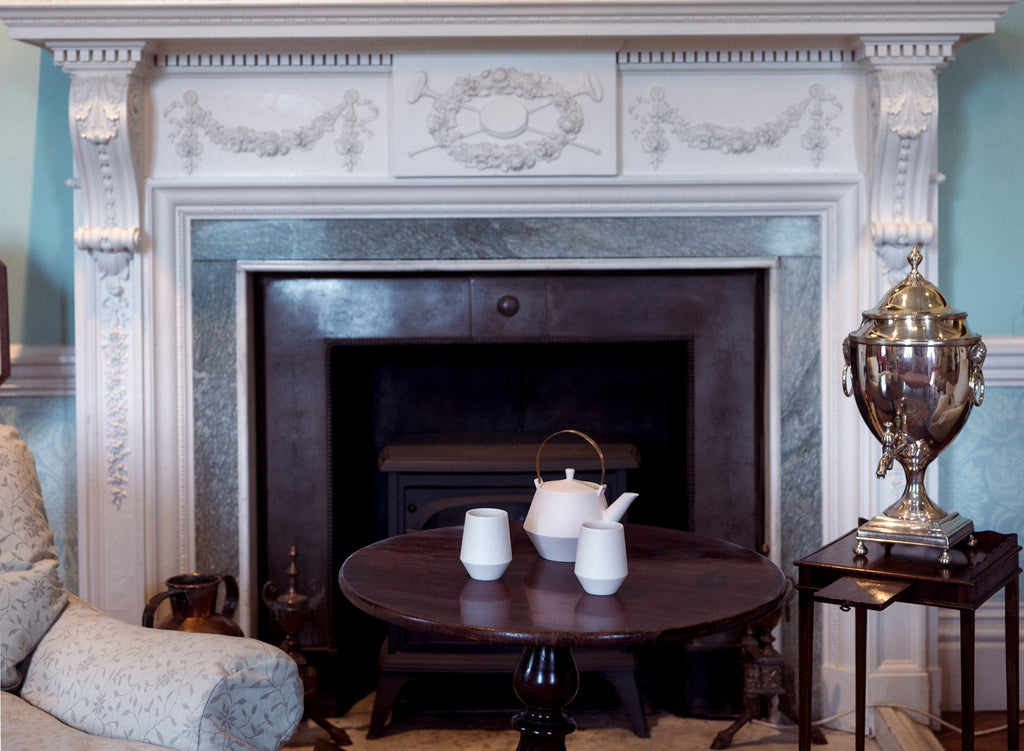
(796, 121)
(504, 114)
(245, 121)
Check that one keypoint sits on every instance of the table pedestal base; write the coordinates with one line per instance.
(546, 680)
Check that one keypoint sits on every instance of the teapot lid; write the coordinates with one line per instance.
(914, 312)
(569, 485)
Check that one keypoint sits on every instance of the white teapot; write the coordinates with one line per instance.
(560, 506)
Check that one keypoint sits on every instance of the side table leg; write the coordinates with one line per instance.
(967, 679)
(806, 659)
(1012, 664)
(546, 679)
(860, 650)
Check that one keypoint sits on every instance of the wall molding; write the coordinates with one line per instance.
(50, 370)
(989, 645)
(47, 371)
(1004, 364)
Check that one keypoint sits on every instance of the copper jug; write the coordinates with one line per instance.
(193, 598)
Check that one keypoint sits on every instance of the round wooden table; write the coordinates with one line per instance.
(680, 586)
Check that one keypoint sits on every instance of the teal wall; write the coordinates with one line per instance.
(981, 209)
(981, 203)
(47, 425)
(36, 246)
(35, 203)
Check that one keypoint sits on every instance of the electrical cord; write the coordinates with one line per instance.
(904, 707)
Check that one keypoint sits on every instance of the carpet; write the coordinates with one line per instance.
(668, 733)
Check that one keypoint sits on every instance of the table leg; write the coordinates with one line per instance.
(1012, 664)
(967, 679)
(860, 650)
(806, 658)
(546, 680)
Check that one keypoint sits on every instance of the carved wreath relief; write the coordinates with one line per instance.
(656, 119)
(190, 120)
(504, 119)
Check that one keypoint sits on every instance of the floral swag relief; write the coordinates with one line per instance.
(189, 119)
(656, 119)
(503, 104)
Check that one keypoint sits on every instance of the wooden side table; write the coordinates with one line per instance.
(908, 573)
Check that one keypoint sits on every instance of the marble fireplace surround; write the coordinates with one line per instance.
(720, 119)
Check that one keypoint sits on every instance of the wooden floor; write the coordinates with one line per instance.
(950, 739)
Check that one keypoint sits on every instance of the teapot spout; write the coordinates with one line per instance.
(616, 511)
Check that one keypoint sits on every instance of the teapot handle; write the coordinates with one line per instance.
(585, 437)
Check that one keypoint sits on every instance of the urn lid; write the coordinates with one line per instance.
(914, 312)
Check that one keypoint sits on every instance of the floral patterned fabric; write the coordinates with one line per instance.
(93, 674)
(31, 592)
(171, 688)
(25, 728)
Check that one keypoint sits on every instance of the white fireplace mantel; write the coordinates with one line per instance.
(221, 108)
(171, 21)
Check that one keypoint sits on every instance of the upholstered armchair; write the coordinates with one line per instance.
(75, 678)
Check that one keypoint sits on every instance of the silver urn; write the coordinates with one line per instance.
(914, 368)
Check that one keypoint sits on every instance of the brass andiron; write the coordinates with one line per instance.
(290, 609)
(766, 676)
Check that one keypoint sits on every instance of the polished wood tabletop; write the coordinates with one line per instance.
(680, 585)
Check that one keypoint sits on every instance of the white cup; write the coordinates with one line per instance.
(601, 557)
(486, 545)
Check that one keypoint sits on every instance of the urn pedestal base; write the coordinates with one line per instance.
(943, 532)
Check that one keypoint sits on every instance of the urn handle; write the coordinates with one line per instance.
(847, 370)
(976, 383)
(230, 596)
(848, 380)
(152, 605)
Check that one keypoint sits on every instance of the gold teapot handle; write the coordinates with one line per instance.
(585, 437)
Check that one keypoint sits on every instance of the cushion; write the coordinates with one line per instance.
(195, 692)
(25, 728)
(32, 594)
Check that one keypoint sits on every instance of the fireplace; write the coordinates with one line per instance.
(783, 252)
(215, 142)
(668, 363)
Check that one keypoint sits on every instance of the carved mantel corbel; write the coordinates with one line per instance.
(110, 341)
(904, 111)
(103, 109)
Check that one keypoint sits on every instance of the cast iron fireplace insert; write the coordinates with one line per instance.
(669, 361)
